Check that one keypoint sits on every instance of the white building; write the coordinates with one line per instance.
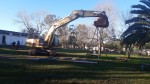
(8, 37)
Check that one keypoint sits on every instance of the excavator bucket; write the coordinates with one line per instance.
(102, 21)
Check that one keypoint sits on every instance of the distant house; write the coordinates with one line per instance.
(8, 37)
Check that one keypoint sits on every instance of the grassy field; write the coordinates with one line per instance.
(16, 67)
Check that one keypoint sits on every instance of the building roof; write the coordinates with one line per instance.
(13, 33)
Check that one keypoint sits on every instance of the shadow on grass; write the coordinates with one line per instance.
(23, 71)
(13, 51)
(34, 71)
(71, 50)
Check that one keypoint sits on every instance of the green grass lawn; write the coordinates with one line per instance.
(16, 68)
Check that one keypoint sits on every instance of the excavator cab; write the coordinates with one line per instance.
(102, 20)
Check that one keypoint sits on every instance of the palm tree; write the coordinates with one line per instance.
(138, 33)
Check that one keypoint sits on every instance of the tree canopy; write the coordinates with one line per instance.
(138, 33)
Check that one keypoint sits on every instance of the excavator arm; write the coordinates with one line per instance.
(73, 16)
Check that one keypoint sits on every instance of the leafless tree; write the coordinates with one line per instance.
(113, 16)
(50, 19)
(108, 34)
(63, 35)
(125, 16)
(34, 24)
(82, 35)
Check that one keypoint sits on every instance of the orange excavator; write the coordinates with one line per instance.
(50, 37)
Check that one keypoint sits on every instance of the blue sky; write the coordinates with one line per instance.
(61, 8)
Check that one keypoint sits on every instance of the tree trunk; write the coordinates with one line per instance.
(74, 46)
(84, 46)
(129, 51)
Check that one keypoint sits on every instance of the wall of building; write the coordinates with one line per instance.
(13, 38)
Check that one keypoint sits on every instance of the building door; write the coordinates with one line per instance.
(4, 40)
